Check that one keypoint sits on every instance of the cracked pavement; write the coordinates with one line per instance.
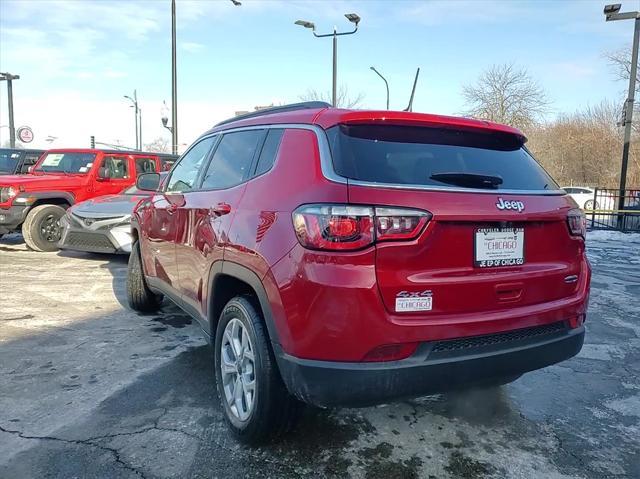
(91, 389)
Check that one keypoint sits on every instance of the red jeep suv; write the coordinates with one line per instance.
(347, 258)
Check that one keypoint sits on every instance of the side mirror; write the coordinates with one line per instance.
(148, 182)
(30, 169)
(103, 173)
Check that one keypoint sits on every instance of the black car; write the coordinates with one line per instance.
(15, 161)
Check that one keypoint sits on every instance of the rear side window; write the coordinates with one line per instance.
(232, 159)
(269, 151)
(439, 157)
(116, 166)
(145, 165)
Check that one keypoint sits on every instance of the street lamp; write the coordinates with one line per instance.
(612, 13)
(165, 117)
(8, 77)
(353, 18)
(385, 83)
(134, 105)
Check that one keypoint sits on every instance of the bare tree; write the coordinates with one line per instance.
(506, 94)
(620, 62)
(584, 147)
(159, 145)
(343, 98)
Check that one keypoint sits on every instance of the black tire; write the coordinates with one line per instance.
(41, 228)
(274, 411)
(139, 296)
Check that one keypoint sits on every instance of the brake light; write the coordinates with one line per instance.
(577, 223)
(352, 227)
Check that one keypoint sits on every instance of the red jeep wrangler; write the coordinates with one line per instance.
(61, 178)
(341, 257)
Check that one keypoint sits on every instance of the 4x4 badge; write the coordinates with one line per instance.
(510, 205)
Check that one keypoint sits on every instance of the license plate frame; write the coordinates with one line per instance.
(486, 256)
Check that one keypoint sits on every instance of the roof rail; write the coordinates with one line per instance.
(305, 105)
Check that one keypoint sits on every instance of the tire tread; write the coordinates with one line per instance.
(139, 296)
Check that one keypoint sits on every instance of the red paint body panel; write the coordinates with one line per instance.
(339, 306)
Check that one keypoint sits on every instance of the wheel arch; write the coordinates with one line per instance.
(228, 279)
(59, 198)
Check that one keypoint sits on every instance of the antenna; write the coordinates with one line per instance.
(413, 91)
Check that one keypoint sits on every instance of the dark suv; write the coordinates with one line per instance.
(340, 257)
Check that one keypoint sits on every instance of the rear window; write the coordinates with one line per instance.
(439, 157)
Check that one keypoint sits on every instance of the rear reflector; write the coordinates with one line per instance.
(390, 352)
(352, 227)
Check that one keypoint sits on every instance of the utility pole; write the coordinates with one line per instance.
(8, 77)
(612, 13)
(174, 83)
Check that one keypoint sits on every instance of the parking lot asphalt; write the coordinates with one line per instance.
(89, 388)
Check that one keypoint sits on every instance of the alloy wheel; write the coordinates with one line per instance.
(237, 364)
(50, 229)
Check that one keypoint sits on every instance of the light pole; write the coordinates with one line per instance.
(612, 13)
(385, 83)
(174, 80)
(8, 77)
(353, 18)
(174, 83)
(134, 102)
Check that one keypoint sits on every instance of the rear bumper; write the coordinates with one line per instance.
(11, 218)
(434, 368)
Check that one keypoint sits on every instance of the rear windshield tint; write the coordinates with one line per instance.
(439, 157)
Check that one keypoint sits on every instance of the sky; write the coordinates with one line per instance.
(78, 58)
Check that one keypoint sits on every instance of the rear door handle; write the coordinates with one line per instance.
(221, 209)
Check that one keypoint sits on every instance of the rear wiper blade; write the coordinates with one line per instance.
(469, 180)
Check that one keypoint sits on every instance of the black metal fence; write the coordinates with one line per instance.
(606, 211)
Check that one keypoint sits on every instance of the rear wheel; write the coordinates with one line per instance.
(139, 296)
(41, 228)
(589, 205)
(256, 403)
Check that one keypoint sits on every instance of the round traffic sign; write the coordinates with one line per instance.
(25, 134)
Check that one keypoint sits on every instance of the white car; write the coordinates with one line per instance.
(585, 196)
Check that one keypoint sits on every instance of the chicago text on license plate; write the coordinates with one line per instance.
(499, 247)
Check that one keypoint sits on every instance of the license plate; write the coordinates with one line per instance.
(495, 247)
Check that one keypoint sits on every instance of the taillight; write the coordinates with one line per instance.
(334, 227)
(351, 227)
(577, 223)
(399, 223)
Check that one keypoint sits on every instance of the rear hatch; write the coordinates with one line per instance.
(498, 236)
